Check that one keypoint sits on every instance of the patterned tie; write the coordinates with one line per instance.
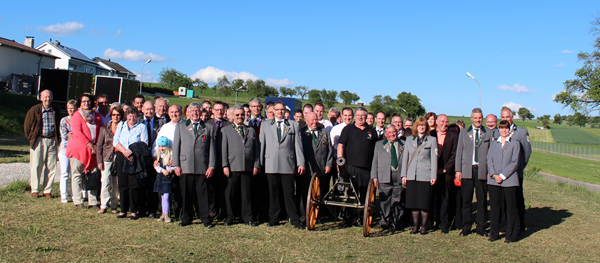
(315, 140)
(279, 131)
(477, 145)
(394, 156)
(241, 129)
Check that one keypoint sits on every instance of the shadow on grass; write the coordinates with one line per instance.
(541, 218)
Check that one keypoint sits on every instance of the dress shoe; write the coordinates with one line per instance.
(299, 226)
(35, 194)
(134, 216)
(464, 233)
(270, 224)
(445, 231)
(484, 234)
(347, 225)
(121, 215)
(424, 231)
(228, 223)
(152, 215)
(49, 195)
(183, 223)
(414, 232)
(491, 239)
(506, 241)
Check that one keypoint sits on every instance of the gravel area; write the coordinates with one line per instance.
(19, 171)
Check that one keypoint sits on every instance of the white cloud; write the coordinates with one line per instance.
(212, 74)
(279, 82)
(565, 51)
(148, 76)
(65, 29)
(561, 64)
(132, 55)
(119, 33)
(533, 110)
(513, 106)
(516, 88)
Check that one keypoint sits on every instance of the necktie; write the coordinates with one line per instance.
(477, 145)
(218, 124)
(279, 131)
(254, 121)
(149, 129)
(241, 129)
(315, 140)
(195, 129)
(394, 156)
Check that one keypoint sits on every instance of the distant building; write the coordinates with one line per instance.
(360, 103)
(112, 69)
(18, 58)
(71, 58)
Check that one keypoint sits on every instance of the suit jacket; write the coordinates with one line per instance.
(218, 139)
(240, 154)
(320, 156)
(423, 166)
(33, 124)
(382, 136)
(156, 124)
(464, 152)
(257, 127)
(521, 135)
(505, 161)
(194, 153)
(281, 157)
(447, 157)
(382, 161)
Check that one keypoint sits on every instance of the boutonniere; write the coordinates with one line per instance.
(386, 145)
(204, 138)
(369, 135)
(287, 123)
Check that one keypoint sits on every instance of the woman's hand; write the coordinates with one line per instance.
(432, 181)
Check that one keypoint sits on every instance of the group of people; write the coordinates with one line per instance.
(210, 161)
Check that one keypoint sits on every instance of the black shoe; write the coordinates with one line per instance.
(299, 226)
(251, 223)
(506, 241)
(502, 229)
(134, 217)
(121, 215)
(152, 215)
(414, 232)
(347, 225)
(491, 239)
(270, 224)
(464, 233)
(384, 226)
(445, 231)
(228, 222)
(484, 234)
(183, 223)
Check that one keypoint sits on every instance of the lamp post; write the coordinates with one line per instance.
(142, 74)
(471, 76)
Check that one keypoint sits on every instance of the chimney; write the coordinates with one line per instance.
(29, 41)
(56, 42)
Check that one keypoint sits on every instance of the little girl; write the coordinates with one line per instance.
(164, 176)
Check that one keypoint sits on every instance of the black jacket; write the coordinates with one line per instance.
(141, 157)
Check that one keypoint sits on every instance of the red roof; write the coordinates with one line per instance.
(13, 44)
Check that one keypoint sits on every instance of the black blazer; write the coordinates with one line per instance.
(218, 141)
(446, 160)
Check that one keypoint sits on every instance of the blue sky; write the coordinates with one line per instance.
(520, 51)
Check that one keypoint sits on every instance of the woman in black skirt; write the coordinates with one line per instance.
(419, 172)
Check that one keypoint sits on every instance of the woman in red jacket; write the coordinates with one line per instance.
(85, 126)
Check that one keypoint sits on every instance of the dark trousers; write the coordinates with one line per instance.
(129, 189)
(447, 204)
(260, 197)
(282, 184)
(239, 192)
(360, 179)
(216, 194)
(509, 195)
(480, 187)
(193, 188)
(176, 197)
(302, 185)
(150, 201)
(521, 204)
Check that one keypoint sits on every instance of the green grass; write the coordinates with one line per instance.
(569, 167)
(14, 148)
(561, 228)
(13, 109)
(574, 136)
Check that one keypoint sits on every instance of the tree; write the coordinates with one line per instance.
(314, 96)
(545, 124)
(524, 113)
(385, 104)
(329, 97)
(582, 94)
(174, 78)
(287, 92)
(223, 86)
(557, 119)
(271, 92)
(579, 119)
(301, 91)
(543, 117)
(348, 97)
(256, 88)
(411, 104)
(200, 85)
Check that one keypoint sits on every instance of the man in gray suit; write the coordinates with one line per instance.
(471, 169)
(240, 150)
(318, 155)
(521, 135)
(281, 154)
(386, 174)
(194, 160)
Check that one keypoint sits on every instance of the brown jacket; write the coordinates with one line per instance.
(105, 144)
(33, 124)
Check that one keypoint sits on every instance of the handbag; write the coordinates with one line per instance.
(113, 164)
(92, 180)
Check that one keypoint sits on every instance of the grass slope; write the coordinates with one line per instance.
(574, 135)
(570, 167)
(561, 220)
(13, 109)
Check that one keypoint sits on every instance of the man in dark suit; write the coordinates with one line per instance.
(218, 183)
(194, 160)
(521, 135)
(281, 154)
(380, 127)
(153, 125)
(240, 152)
(471, 169)
(318, 156)
(447, 199)
(260, 191)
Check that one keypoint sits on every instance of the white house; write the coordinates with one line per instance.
(71, 58)
(17, 58)
(113, 69)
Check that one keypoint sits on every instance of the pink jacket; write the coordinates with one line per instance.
(76, 147)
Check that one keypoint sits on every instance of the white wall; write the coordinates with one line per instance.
(17, 62)
(63, 62)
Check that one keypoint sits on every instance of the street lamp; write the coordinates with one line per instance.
(471, 76)
(142, 74)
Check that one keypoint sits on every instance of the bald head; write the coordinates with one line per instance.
(175, 113)
(311, 120)
(442, 123)
(491, 121)
(507, 115)
(148, 109)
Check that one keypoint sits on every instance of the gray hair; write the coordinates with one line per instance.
(362, 109)
(476, 110)
(51, 94)
(195, 104)
(256, 99)
(237, 107)
(115, 104)
(509, 111)
(390, 125)
(162, 99)
(334, 110)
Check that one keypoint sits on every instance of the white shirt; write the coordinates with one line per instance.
(328, 125)
(336, 131)
(474, 138)
(167, 130)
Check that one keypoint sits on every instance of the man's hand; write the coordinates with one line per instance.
(300, 170)
(255, 171)
(376, 183)
(178, 171)
(209, 172)
(101, 166)
(404, 180)
(458, 176)
(432, 181)
(327, 169)
(498, 179)
(226, 171)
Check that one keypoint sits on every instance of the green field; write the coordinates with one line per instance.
(569, 167)
(574, 136)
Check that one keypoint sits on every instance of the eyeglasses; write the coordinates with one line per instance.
(116, 114)
(239, 115)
